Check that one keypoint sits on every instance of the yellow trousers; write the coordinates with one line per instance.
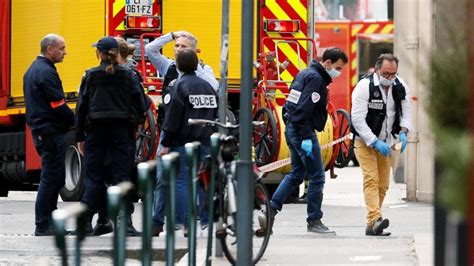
(376, 171)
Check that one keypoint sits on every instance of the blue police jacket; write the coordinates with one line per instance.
(306, 105)
(46, 108)
(189, 97)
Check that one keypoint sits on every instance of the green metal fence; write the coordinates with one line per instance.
(60, 217)
(118, 210)
(118, 198)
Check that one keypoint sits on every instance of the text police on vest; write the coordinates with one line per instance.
(203, 101)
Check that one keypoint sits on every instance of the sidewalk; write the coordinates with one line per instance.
(411, 225)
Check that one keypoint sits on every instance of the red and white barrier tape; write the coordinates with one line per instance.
(275, 165)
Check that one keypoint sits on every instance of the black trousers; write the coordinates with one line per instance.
(115, 141)
(52, 149)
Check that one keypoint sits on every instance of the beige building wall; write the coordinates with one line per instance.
(413, 43)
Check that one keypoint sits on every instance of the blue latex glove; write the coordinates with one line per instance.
(382, 148)
(307, 146)
(404, 140)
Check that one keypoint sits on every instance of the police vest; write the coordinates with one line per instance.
(377, 108)
(110, 95)
(171, 74)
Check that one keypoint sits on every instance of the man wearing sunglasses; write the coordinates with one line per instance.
(381, 119)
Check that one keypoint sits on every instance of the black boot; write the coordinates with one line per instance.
(88, 225)
(302, 199)
(103, 226)
(131, 231)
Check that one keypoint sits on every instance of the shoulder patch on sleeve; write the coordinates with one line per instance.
(294, 96)
(315, 97)
(167, 99)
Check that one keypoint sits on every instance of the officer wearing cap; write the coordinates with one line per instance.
(106, 123)
(49, 118)
(305, 111)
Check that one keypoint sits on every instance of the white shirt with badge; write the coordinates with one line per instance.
(360, 105)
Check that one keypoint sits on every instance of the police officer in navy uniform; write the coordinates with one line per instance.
(168, 70)
(191, 97)
(305, 111)
(49, 118)
(103, 225)
(106, 122)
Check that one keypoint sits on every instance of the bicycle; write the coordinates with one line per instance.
(225, 197)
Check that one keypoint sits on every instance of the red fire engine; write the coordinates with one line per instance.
(297, 23)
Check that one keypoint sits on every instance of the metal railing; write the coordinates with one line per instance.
(118, 208)
(192, 157)
(60, 217)
(146, 185)
(118, 198)
(170, 171)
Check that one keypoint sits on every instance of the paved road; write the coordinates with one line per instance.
(411, 242)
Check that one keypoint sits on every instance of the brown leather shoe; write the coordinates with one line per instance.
(156, 230)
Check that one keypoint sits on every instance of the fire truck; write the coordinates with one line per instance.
(288, 34)
(23, 23)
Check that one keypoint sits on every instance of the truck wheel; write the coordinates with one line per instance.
(72, 190)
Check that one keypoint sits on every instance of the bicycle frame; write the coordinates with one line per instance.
(225, 193)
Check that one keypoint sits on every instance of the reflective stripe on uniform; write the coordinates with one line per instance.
(57, 104)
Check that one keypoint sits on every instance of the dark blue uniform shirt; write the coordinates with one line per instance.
(46, 108)
(306, 105)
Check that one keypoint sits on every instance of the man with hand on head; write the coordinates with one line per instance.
(380, 113)
(168, 70)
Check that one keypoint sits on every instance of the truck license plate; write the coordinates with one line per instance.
(138, 7)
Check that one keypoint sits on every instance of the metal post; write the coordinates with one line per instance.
(80, 211)
(170, 171)
(146, 183)
(118, 211)
(60, 216)
(244, 168)
(192, 157)
(59, 225)
(224, 61)
(471, 118)
(215, 146)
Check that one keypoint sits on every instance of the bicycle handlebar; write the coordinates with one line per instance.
(206, 122)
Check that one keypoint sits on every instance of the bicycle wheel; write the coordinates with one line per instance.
(146, 139)
(345, 148)
(265, 139)
(260, 227)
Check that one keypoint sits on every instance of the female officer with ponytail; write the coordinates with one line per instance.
(107, 96)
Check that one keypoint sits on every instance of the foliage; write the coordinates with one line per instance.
(449, 111)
